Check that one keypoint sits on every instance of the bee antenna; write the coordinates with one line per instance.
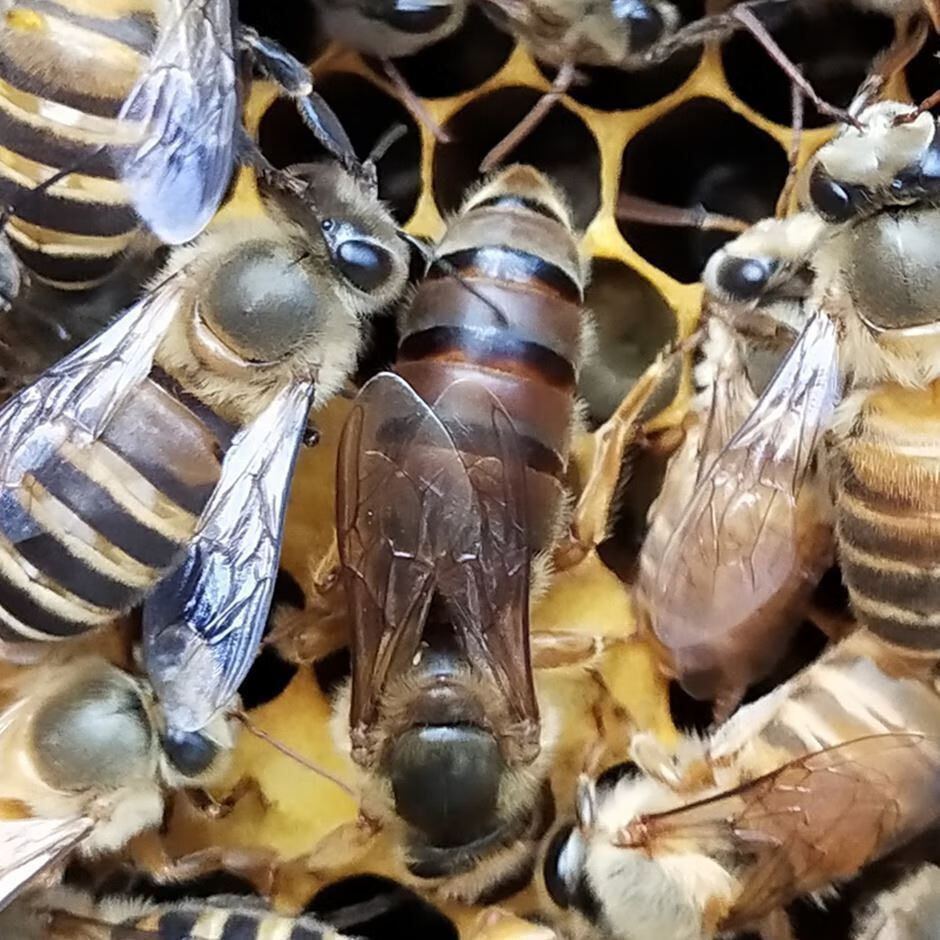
(385, 143)
(427, 252)
(288, 751)
(749, 20)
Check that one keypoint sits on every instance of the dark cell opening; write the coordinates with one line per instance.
(292, 23)
(633, 323)
(561, 145)
(332, 671)
(367, 113)
(922, 75)
(458, 63)
(832, 45)
(378, 908)
(269, 675)
(700, 154)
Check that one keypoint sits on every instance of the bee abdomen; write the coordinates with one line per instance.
(888, 528)
(219, 923)
(502, 307)
(64, 75)
(91, 529)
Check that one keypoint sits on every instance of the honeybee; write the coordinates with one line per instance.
(64, 914)
(799, 790)
(87, 762)
(451, 496)
(741, 531)
(152, 464)
(911, 911)
(129, 115)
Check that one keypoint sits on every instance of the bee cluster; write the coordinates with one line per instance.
(469, 470)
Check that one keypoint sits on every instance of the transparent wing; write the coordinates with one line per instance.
(186, 105)
(202, 623)
(75, 399)
(403, 497)
(733, 546)
(813, 820)
(28, 847)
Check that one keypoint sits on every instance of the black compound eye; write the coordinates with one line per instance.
(645, 23)
(745, 278)
(366, 265)
(835, 201)
(190, 752)
(416, 16)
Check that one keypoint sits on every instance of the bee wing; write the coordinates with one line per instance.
(76, 398)
(28, 847)
(203, 622)
(486, 582)
(733, 542)
(403, 500)
(186, 106)
(809, 822)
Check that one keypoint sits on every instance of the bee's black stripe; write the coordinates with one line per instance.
(45, 146)
(20, 604)
(506, 263)
(177, 925)
(67, 215)
(66, 269)
(487, 348)
(240, 927)
(223, 430)
(189, 496)
(137, 30)
(917, 592)
(911, 636)
(48, 555)
(882, 540)
(46, 86)
(304, 931)
(103, 513)
(507, 201)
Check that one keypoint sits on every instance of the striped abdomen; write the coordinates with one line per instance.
(92, 528)
(888, 516)
(197, 920)
(521, 256)
(66, 67)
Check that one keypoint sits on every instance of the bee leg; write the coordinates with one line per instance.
(413, 103)
(683, 773)
(637, 209)
(322, 627)
(563, 81)
(776, 926)
(557, 650)
(296, 82)
(591, 516)
(933, 11)
(256, 866)
(208, 805)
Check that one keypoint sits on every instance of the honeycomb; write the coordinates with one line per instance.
(710, 127)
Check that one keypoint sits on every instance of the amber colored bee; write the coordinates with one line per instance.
(741, 531)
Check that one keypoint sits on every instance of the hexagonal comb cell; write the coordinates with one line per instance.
(699, 154)
(832, 47)
(367, 113)
(923, 77)
(459, 63)
(561, 145)
(633, 323)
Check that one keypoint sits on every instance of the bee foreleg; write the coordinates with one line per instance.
(413, 103)
(214, 808)
(256, 866)
(296, 82)
(591, 516)
(776, 926)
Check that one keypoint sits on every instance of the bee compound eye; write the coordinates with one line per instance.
(190, 752)
(745, 278)
(364, 264)
(835, 201)
(645, 23)
(417, 16)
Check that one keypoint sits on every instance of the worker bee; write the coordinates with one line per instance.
(741, 531)
(152, 464)
(911, 911)
(128, 115)
(799, 790)
(64, 914)
(87, 762)
(452, 495)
